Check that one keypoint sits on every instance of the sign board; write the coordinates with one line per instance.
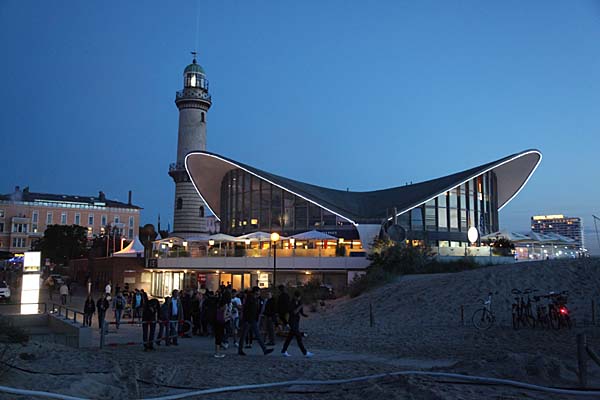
(30, 286)
(32, 261)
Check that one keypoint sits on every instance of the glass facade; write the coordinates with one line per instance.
(250, 204)
(446, 219)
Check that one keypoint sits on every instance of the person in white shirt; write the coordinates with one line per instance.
(108, 288)
(64, 292)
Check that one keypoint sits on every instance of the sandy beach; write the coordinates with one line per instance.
(416, 326)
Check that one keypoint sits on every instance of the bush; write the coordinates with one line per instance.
(390, 260)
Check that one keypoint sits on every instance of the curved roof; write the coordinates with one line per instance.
(208, 169)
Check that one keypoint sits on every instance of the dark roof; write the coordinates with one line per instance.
(26, 195)
(368, 207)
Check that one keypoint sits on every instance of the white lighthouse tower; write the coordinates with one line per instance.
(193, 103)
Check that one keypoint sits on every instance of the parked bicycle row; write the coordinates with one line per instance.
(528, 310)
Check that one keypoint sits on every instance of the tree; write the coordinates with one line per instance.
(147, 236)
(62, 243)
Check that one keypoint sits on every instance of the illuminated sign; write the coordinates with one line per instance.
(30, 290)
(32, 261)
(542, 217)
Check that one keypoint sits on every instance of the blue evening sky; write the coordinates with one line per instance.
(346, 94)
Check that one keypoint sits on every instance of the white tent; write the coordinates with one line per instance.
(512, 236)
(133, 249)
(313, 235)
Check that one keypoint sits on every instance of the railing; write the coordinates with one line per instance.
(64, 311)
(181, 94)
(176, 167)
(258, 253)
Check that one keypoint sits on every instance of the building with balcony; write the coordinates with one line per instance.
(570, 227)
(438, 213)
(24, 216)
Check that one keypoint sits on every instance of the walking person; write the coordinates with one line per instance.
(270, 318)
(150, 313)
(220, 321)
(64, 292)
(163, 321)
(175, 314)
(108, 289)
(118, 305)
(101, 306)
(89, 308)
(236, 308)
(250, 321)
(283, 306)
(136, 304)
(296, 311)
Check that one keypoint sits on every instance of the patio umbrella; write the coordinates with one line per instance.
(221, 237)
(258, 237)
(313, 235)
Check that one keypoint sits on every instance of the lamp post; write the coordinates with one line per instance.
(274, 240)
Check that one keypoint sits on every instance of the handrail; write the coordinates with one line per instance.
(60, 307)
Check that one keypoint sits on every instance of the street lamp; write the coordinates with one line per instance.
(274, 240)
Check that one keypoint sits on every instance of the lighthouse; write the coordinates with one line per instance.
(193, 103)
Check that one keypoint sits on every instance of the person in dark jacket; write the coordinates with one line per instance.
(296, 311)
(186, 304)
(102, 305)
(175, 315)
(270, 318)
(150, 312)
(250, 321)
(210, 310)
(283, 306)
(163, 323)
(195, 304)
(89, 308)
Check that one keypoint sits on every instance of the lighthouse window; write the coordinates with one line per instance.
(179, 203)
(201, 210)
(202, 117)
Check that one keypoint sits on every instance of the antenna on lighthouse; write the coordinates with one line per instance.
(194, 54)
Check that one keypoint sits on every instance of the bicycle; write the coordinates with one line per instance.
(541, 312)
(558, 312)
(521, 310)
(484, 317)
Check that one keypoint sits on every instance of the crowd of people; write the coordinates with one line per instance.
(233, 318)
